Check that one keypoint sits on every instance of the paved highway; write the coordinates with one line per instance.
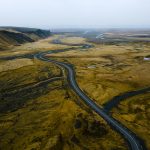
(134, 142)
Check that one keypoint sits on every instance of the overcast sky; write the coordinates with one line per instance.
(75, 13)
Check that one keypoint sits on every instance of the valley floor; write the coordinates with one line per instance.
(51, 115)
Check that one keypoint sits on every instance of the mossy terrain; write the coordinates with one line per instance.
(47, 117)
(51, 116)
(135, 114)
(106, 71)
(50, 122)
(13, 80)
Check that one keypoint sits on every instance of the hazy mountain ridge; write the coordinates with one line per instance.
(14, 36)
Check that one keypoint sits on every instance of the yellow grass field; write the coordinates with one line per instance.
(52, 116)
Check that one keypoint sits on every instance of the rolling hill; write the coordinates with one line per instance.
(14, 36)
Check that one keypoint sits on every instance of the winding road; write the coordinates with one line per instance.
(134, 142)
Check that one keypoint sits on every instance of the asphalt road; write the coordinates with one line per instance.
(134, 142)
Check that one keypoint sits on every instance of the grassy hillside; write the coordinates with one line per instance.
(13, 36)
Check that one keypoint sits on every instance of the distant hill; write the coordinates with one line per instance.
(14, 36)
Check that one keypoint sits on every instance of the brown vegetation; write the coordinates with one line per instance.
(51, 116)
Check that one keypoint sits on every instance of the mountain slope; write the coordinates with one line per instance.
(13, 36)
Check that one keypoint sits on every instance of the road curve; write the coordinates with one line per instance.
(134, 142)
